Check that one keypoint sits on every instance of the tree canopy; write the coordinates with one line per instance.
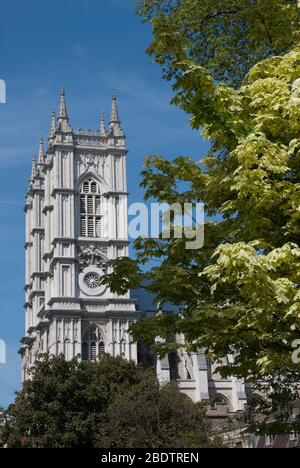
(151, 416)
(240, 292)
(113, 403)
(226, 37)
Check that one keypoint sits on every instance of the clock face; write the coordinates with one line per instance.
(90, 281)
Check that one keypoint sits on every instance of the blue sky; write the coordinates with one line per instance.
(89, 47)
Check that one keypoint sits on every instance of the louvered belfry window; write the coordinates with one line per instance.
(90, 209)
(93, 347)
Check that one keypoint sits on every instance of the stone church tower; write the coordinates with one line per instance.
(76, 226)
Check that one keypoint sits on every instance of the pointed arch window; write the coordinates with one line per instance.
(93, 347)
(90, 209)
(220, 402)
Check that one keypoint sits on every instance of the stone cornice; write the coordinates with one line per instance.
(36, 293)
(63, 146)
(59, 259)
(61, 190)
(66, 300)
(105, 150)
(117, 150)
(38, 274)
(40, 190)
(28, 340)
(70, 240)
(43, 325)
(116, 193)
(37, 230)
(99, 240)
(119, 242)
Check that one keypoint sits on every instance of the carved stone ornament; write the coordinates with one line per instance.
(92, 162)
(90, 281)
(92, 255)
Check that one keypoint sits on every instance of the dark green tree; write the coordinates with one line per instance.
(2, 421)
(63, 404)
(150, 416)
(79, 405)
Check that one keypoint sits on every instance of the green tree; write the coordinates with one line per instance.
(240, 292)
(62, 404)
(2, 421)
(70, 405)
(225, 37)
(151, 416)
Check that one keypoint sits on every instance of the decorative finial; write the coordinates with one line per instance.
(114, 118)
(53, 125)
(41, 151)
(33, 170)
(115, 124)
(63, 114)
(102, 126)
(63, 119)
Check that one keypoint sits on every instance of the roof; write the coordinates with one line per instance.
(147, 302)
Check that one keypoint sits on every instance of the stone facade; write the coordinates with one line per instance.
(197, 378)
(76, 226)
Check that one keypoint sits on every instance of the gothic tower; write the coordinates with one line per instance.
(76, 226)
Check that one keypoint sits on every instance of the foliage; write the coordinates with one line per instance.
(62, 403)
(150, 416)
(2, 420)
(78, 405)
(240, 292)
(226, 37)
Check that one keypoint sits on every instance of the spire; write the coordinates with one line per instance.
(33, 170)
(63, 119)
(114, 117)
(115, 124)
(41, 152)
(63, 114)
(53, 125)
(102, 126)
